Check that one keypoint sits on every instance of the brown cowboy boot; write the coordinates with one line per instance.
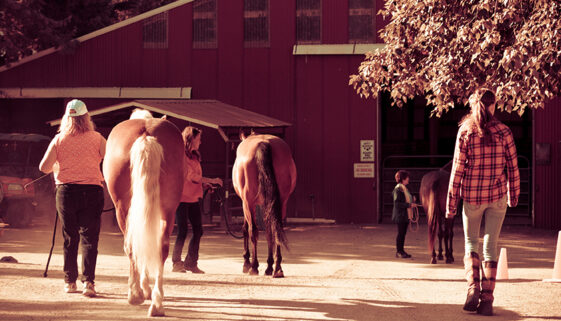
(471, 265)
(487, 287)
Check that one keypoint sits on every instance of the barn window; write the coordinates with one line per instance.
(256, 23)
(308, 21)
(155, 31)
(361, 21)
(204, 24)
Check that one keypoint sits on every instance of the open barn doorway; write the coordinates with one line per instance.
(410, 139)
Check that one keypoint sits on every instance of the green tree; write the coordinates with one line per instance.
(29, 26)
(445, 49)
(24, 29)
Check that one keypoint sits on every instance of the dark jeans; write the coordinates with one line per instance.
(79, 208)
(400, 239)
(191, 211)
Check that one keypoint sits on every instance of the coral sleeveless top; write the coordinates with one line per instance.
(78, 159)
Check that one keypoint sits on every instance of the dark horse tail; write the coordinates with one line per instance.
(431, 214)
(269, 189)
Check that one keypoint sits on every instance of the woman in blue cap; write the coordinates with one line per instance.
(74, 155)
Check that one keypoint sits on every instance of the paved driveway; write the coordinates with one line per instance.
(333, 272)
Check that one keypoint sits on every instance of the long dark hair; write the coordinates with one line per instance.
(189, 134)
(479, 117)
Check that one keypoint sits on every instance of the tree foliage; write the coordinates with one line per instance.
(445, 49)
(25, 30)
(29, 26)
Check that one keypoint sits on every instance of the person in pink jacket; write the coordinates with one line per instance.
(189, 206)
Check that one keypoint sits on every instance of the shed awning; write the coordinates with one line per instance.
(209, 113)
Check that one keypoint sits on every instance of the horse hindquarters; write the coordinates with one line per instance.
(143, 233)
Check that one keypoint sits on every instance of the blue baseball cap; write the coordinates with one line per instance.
(76, 107)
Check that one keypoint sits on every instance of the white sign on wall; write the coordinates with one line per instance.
(367, 150)
(364, 170)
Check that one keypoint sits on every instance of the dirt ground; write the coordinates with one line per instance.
(333, 272)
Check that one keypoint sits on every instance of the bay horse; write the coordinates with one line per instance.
(143, 169)
(433, 192)
(264, 174)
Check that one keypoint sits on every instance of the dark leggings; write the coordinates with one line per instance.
(79, 208)
(191, 211)
(400, 239)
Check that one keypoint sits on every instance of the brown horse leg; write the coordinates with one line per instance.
(254, 261)
(135, 296)
(270, 260)
(157, 307)
(448, 240)
(440, 237)
(246, 265)
(278, 259)
(145, 285)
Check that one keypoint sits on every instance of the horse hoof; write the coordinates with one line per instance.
(135, 299)
(278, 274)
(254, 272)
(246, 268)
(449, 261)
(269, 271)
(155, 312)
(147, 293)
(433, 260)
(440, 257)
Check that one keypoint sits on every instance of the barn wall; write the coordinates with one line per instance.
(548, 172)
(311, 92)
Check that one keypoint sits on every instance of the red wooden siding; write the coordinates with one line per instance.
(338, 168)
(363, 203)
(230, 52)
(334, 21)
(547, 177)
(308, 145)
(311, 92)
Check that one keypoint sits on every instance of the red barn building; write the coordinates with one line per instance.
(286, 59)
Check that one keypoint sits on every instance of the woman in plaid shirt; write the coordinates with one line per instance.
(484, 148)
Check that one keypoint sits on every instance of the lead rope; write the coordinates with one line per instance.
(414, 221)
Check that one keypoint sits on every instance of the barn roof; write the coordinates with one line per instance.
(209, 113)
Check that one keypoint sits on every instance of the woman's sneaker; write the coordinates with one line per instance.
(70, 287)
(89, 289)
(403, 255)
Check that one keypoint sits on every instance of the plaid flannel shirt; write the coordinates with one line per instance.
(478, 171)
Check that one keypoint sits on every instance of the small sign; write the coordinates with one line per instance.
(367, 150)
(364, 170)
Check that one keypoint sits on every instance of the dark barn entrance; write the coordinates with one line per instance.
(412, 140)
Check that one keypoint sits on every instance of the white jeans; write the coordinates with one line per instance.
(494, 217)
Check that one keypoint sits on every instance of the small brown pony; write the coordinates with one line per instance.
(433, 191)
(143, 168)
(264, 174)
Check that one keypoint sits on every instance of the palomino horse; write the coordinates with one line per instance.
(264, 174)
(433, 191)
(143, 168)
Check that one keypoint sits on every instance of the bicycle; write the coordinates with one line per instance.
(216, 197)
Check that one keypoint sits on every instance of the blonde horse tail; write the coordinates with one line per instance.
(431, 218)
(143, 219)
(269, 189)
